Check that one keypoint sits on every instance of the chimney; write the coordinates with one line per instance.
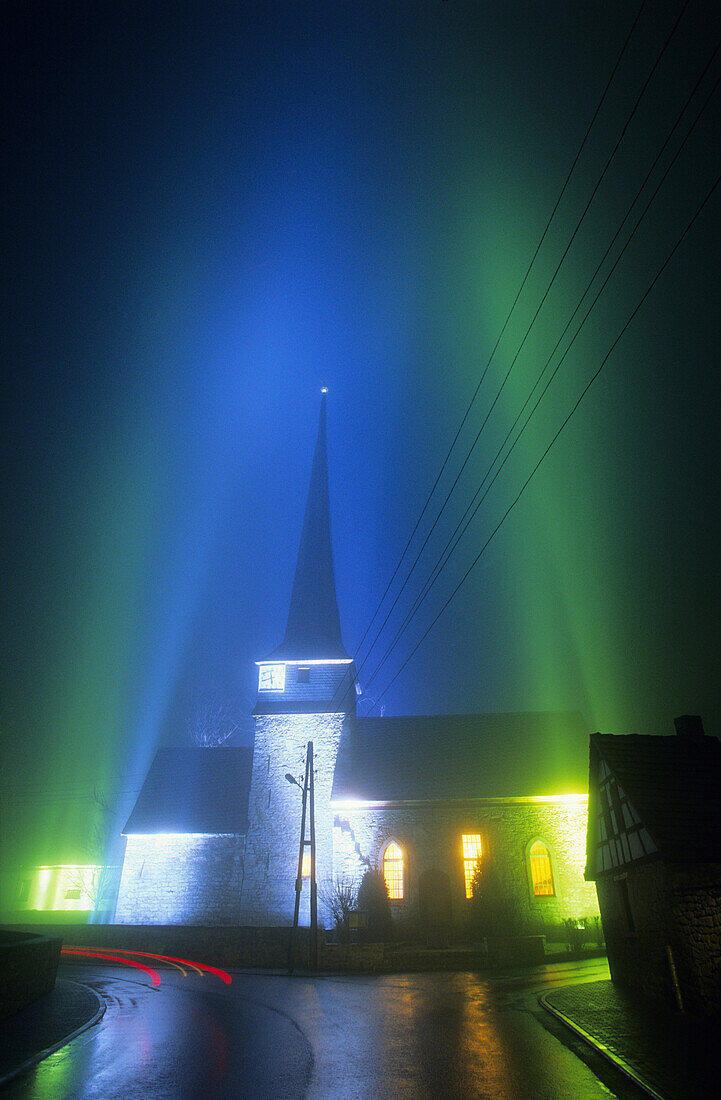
(689, 727)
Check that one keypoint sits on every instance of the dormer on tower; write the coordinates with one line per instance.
(310, 671)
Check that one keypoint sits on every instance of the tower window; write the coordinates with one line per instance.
(541, 874)
(393, 871)
(305, 869)
(471, 853)
(271, 678)
(303, 675)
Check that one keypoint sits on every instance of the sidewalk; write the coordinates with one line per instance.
(45, 1025)
(669, 1056)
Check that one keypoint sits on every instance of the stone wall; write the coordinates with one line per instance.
(266, 948)
(28, 966)
(274, 813)
(695, 902)
(181, 879)
(671, 907)
(429, 835)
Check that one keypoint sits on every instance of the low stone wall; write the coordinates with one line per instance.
(267, 948)
(363, 958)
(516, 951)
(389, 958)
(28, 966)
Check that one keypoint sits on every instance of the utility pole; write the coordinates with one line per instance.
(313, 884)
(308, 789)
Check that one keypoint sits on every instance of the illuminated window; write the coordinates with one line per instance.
(73, 894)
(271, 678)
(305, 871)
(393, 871)
(471, 853)
(541, 875)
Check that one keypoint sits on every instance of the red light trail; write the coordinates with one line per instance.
(114, 958)
(200, 967)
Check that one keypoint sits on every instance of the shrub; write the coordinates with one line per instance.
(373, 900)
(493, 912)
(575, 933)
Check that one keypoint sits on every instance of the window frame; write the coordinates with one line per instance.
(388, 844)
(464, 861)
(541, 899)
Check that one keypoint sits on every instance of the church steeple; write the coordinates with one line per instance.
(313, 630)
(306, 692)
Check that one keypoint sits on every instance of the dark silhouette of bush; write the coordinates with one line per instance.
(373, 901)
(492, 911)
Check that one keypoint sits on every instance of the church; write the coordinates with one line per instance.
(213, 838)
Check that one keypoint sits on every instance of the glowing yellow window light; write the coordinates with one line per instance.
(70, 887)
(471, 853)
(393, 871)
(305, 871)
(541, 874)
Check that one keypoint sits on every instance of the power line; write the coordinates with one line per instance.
(585, 390)
(453, 541)
(607, 165)
(501, 333)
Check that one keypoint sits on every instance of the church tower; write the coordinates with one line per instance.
(306, 692)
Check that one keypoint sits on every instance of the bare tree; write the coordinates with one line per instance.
(339, 897)
(212, 718)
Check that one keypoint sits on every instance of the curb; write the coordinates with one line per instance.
(601, 1049)
(30, 1062)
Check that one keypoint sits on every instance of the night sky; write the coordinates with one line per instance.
(213, 210)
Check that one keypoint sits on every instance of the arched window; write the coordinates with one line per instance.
(393, 871)
(541, 874)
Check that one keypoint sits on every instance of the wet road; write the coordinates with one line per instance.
(397, 1036)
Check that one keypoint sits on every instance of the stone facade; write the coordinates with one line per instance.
(696, 918)
(181, 879)
(429, 835)
(274, 812)
(673, 916)
(653, 847)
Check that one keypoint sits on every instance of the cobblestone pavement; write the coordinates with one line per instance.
(50, 1021)
(669, 1055)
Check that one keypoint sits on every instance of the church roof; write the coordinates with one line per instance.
(313, 630)
(203, 790)
(673, 784)
(463, 756)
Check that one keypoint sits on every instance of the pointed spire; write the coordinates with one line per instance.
(313, 630)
